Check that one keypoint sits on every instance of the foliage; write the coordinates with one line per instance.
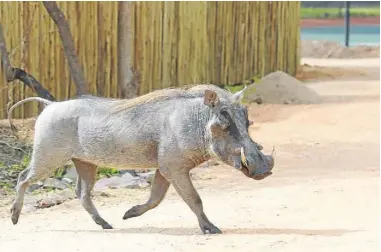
(9, 174)
(238, 87)
(60, 172)
(105, 172)
(338, 12)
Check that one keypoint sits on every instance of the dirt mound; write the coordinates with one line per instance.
(281, 88)
(330, 49)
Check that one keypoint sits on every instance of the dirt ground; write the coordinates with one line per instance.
(323, 196)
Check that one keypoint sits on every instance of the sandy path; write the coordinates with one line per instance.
(323, 196)
(369, 63)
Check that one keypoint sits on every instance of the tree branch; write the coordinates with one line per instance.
(12, 74)
(67, 41)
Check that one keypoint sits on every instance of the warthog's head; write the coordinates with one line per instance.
(229, 138)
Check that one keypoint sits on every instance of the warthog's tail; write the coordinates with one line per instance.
(39, 99)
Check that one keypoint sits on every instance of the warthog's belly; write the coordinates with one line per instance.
(122, 156)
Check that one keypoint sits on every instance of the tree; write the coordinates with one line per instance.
(127, 79)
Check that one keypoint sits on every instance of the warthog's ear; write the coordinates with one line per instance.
(211, 98)
(239, 95)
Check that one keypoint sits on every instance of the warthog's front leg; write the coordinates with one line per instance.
(158, 190)
(78, 187)
(87, 172)
(182, 183)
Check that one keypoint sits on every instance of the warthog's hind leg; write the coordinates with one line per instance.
(22, 175)
(24, 180)
(87, 172)
(158, 190)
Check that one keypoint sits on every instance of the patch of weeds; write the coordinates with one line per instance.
(59, 172)
(5, 185)
(10, 173)
(6, 190)
(235, 88)
(239, 86)
(105, 172)
(22, 165)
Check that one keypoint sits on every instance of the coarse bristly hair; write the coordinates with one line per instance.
(185, 92)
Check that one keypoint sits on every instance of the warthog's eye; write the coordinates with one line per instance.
(225, 119)
(225, 114)
(248, 122)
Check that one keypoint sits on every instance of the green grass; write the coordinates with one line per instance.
(105, 172)
(336, 12)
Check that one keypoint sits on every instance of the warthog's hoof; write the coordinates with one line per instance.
(102, 222)
(210, 228)
(106, 226)
(133, 212)
(15, 215)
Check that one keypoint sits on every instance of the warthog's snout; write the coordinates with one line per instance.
(257, 168)
(268, 168)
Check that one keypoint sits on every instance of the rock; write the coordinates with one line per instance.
(68, 181)
(55, 199)
(71, 174)
(66, 194)
(54, 184)
(103, 194)
(33, 187)
(125, 181)
(144, 170)
(147, 176)
(150, 177)
(100, 194)
(139, 184)
(281, 88)
(132, 172)
(45, 203)
(128, 175)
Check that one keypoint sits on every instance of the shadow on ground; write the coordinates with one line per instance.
(227, 231)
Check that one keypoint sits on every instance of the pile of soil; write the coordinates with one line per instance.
(330, 49)
(281, 88)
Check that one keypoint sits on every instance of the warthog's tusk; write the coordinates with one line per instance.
(273, 152)
(243, 157)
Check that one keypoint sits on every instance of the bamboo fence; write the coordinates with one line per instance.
(174, 44)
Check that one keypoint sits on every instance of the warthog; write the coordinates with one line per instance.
(173, 130)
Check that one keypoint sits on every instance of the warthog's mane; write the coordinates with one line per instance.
(186, 92)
